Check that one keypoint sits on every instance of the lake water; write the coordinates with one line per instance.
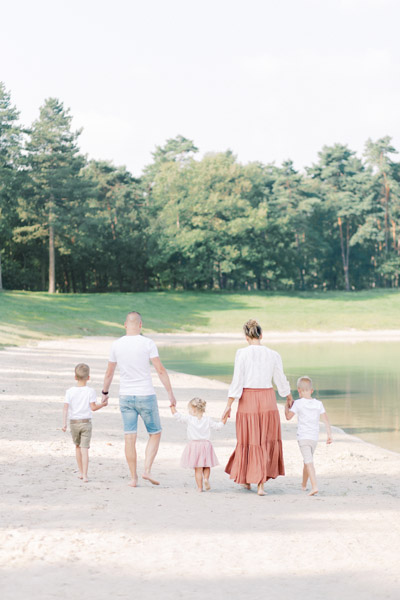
(358, 383)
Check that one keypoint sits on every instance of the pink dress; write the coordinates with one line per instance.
(199, 451)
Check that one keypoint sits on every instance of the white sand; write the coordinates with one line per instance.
(61, 538)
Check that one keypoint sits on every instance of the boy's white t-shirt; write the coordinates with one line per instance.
(308, 411)
(132, 353)
(79, 399)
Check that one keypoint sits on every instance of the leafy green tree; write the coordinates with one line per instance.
(341, 174)
(115, 229)
(384, 219)
(297, 215)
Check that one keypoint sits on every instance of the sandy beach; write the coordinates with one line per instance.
(61, 538)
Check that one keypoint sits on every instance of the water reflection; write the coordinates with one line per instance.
(358, 383)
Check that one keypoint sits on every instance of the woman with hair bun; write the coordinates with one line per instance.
(258, 453)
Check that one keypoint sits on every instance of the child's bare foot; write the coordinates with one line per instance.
(313, 492)
(246, 486)
(260, 490)
(207, 485)
(133, 482)
(148, 477)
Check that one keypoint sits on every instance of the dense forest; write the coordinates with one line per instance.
(70, 224)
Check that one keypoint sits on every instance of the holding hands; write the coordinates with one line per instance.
(289, 401)
(226, 414)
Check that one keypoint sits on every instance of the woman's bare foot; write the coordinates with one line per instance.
(207, 485)
(260, 489)
(148, 477)
(313, 492)
(246, 486)
(199, 489)
(85, 479)
(133, 482)
(80, 476)
(304, 488)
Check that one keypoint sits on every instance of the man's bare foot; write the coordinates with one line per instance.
(207, 485)
(260, 490)
(246, 486)
(148, 477)
(313, 492)
(133, 482)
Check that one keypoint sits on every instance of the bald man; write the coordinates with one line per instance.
(133, 353)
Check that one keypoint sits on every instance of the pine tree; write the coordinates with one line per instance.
(55, 186)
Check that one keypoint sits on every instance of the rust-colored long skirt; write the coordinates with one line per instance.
(258, 454)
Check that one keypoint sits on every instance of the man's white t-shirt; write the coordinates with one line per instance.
(308, 411)
(132, 353)
(79, 399)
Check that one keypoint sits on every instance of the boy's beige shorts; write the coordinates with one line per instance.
(307, 448)
(81, 431)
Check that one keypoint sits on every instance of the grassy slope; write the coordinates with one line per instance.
(27, 315)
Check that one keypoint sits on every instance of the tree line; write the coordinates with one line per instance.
(70, 224)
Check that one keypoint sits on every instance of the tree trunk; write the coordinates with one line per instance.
(386, 202)
(1, 277)
(52, 258)
(43, 275)
(345, 254)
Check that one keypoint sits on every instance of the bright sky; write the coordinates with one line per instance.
(268, 79)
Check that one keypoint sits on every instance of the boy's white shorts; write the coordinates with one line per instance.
(307, 448)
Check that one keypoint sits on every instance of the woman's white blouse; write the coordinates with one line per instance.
(256, 367)
(198, 429)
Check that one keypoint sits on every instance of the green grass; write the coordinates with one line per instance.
(35, 315)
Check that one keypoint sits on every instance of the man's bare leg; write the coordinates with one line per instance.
(198, 475)
(150, 454)
(305, 478)
(313, 479)
(78, 455)
(206, 475)
(85, 463)
(130, 454)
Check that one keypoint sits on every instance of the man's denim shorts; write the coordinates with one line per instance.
(145, 406)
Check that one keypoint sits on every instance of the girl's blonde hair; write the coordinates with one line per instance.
(198, 404)
(252, 329)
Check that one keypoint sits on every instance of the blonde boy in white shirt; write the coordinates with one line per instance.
(80, 402)
(308, 411)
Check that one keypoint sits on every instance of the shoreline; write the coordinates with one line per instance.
(351, 336)
(344, 335)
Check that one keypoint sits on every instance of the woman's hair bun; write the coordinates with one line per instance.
(252, 329)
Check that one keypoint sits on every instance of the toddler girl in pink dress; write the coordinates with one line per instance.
(199, 453)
